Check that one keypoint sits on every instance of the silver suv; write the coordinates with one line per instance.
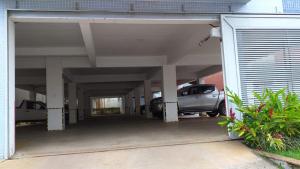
(196, 98)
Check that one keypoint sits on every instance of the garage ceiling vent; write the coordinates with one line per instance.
(268, 59)
(143, 6)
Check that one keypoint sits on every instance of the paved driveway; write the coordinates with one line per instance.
(132, 143)
(217, 155)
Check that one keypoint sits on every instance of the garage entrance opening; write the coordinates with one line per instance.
(117, 85)
(107, 106)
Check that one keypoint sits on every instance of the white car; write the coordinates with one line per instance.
(31, 111)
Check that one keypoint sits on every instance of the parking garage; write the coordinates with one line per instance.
(49, 49)
(73, 60)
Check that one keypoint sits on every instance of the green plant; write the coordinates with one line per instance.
(271, 124)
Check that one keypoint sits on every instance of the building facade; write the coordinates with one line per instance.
(260, 44)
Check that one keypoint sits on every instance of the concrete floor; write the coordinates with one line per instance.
(217, 155)
(115, 133)
(132, 143)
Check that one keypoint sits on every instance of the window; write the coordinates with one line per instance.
(268, 59)
(194, 90)
(206, 89)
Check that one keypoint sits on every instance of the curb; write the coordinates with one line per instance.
(278, 157)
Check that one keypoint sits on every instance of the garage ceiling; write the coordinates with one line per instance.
(129, 40)
(48, 35)
(144, 47)
(112, 39)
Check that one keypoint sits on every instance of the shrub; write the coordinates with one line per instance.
(272, 124)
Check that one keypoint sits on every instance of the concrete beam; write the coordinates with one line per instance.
(110, 86)
(50, 51)
(88, 39)
(109, 78)
(83, 62)
(134, 79)
(30, 80)
(97, 93)
(96, 17)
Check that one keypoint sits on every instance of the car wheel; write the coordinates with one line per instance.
(213, 113)
(222, 109)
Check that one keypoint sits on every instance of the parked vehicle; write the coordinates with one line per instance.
(31, 111)
(196, 98)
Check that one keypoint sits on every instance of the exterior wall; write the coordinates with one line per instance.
(261, 6)
(161, 6)
(158, 6)
(6, 102)
(3, 81)
(254, 6)
(291, 6)
(216, 78)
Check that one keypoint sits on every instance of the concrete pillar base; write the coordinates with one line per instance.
(170, 110)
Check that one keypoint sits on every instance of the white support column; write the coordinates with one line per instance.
(7, 82)
(169, 88)
(55, 93)
(32, 95)
(147, 97)
(11, 88)
(72, 103)
(80, 104)
(137, 103)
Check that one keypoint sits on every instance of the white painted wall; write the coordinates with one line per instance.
(262, 6)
